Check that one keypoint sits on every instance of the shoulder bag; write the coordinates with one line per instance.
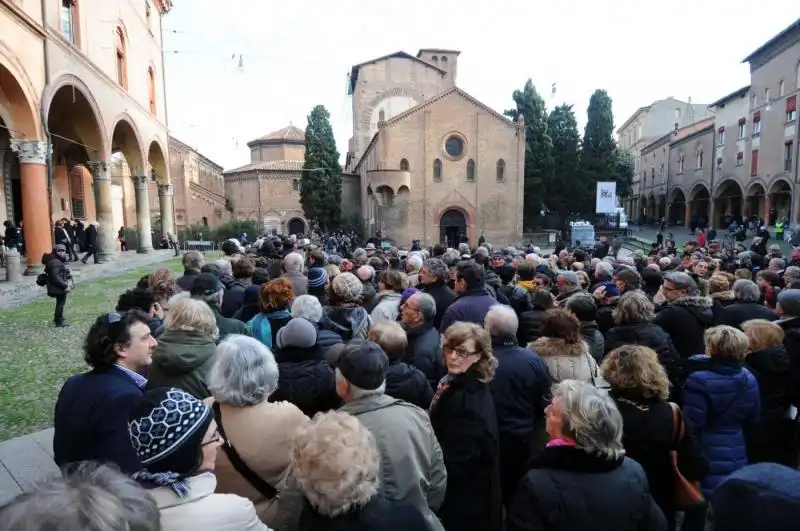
(258, 483)
(686, 494)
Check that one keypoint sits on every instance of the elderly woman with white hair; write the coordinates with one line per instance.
(336, 463)
(185, 350)
(414, 263)
(582, 479)
(308, 307)
(255, 461)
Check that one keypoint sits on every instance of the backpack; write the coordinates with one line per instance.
(41, 279)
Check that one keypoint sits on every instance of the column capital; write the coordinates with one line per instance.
(99, 169)
(31, 151)
(139, 182)
(165, 190)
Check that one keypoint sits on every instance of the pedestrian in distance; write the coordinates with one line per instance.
(56, 277)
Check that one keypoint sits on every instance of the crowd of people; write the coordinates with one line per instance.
(289, 387)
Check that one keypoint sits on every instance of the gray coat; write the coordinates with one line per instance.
(412, 465)
(299, 282)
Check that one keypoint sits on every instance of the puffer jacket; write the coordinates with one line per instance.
(686, 320)
(530, 323)
(652, 336)
(387, 306)
(306, 380)
(720, 398)
(182, 359)
(408, 383)
(348, 323)
(57, 274)
(568, 361)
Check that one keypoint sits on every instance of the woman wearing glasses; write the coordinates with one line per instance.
(176, 439)
(463, 418)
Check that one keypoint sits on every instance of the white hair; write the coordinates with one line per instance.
(308, 307)
(501, 321)
(746, 290)
(415, 261)
(224, 266)
(590, 418)
(426, 305)
(293, 262)
(177, 298)
(604, 268)
(356, 392)
(244, 372)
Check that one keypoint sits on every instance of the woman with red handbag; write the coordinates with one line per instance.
(653, 431)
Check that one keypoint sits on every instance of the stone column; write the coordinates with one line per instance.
(142, 214)
(36, 226)
(106, 235)
(687, 214)
(166, 193)
(767, 208)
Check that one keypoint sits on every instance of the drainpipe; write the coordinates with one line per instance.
(793, 203)
(711, 221)
(43, 116)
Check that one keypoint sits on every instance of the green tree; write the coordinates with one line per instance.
(321, 181)
(538, 156)
(599, 155)
(566, 192)
(624, 174)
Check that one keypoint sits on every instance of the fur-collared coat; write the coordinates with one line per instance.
(568, 361)
(719, 301)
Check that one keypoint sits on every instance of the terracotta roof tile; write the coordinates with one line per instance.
(290, 132)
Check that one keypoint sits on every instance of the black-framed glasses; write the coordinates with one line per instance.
(113, 317)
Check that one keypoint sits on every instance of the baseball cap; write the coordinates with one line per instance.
(206, 284)
(571, 276)
(612, 290)
(363, 364)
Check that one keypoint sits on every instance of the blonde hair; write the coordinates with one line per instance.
(391, 337)
(635, 370)
(726, 343)
(192, 315)
(332, 271)
(336, 463)
(460, 332)
(763, 334)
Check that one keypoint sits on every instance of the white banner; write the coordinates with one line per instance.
(606, 197)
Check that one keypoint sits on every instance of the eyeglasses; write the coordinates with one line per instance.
(113, 317)
(460, 352)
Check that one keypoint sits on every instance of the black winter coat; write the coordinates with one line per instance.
(591, 334)
(444, 297)
(774, 438)
(187, 280)
(465, 425)
(791, 342)
(424, 351)
(566, 489)
(233, 298)
(90, 235)
(605, 317)
(686, 320)
(377, 515)
(408, 383)
(306, 380)
(530, 325)
(57, 274)
(721, 300)
(652, 336)
(740, 311)
(517, 298)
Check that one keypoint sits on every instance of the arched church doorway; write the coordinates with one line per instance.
(452, 228)
(296, 226)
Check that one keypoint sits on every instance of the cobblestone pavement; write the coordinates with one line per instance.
(14, 294)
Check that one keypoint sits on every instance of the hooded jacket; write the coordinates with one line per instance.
(57, 274)
(387, 306)
(348, 323)
(182, 359)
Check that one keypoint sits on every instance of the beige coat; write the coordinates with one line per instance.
(203, 509)
(261, 435)
(568, 361)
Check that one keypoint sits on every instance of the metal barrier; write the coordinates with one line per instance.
(198, 245)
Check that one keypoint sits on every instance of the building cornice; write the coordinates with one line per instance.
(700, 132)
(25, 18)
(198, 188)
(185, 147)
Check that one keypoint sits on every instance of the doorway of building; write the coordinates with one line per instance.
(296, 226)
(452, 228)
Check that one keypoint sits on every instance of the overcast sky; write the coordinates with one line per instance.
(297, 54)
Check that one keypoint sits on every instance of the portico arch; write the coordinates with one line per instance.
(159, 174)
(296, 225)
(728, 200)
(676, 207)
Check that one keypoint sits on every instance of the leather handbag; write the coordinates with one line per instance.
(686, 494)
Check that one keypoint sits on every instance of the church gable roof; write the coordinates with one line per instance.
(396, 55)
(441, 97)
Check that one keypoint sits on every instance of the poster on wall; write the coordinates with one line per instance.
(606, 197)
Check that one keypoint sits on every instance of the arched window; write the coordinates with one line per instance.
(403, 165)
(122, 59)
(501, 170)
(781, 88)
(652, 176)
(766, 95)
(381, 115)
(470, 170)
(797, 76)
(295, 185)
(437, 170)
(151, 88)
(700, 158)
(435, 60)
(444, 62)
(681, 163)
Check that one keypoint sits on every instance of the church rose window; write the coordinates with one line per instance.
(454, 146)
